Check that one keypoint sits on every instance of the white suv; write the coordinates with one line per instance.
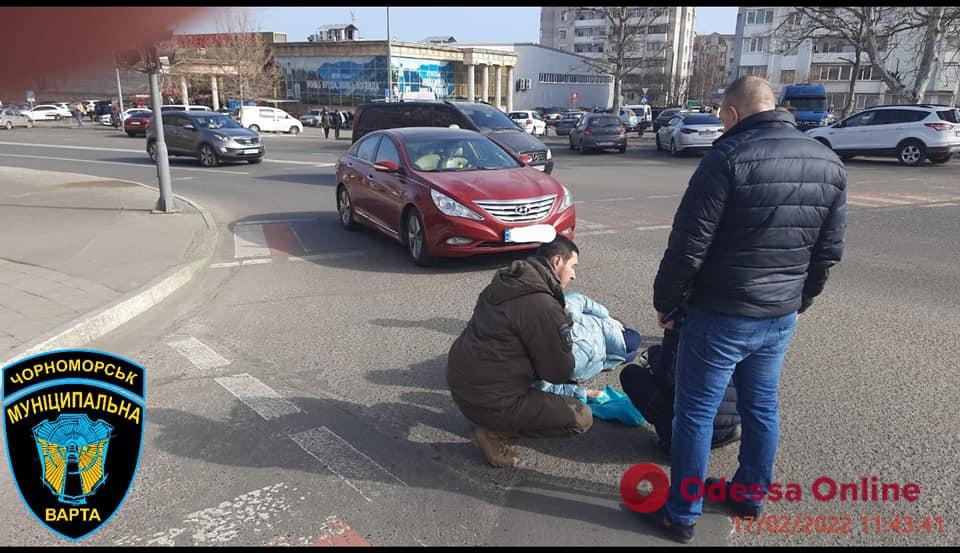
(909, 132)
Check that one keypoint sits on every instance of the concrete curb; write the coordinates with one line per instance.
(99, 322)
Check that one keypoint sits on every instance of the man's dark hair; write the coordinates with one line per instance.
(561, 245)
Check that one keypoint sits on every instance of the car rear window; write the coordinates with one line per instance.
(702, 120)
(605, 122)
(951, 115)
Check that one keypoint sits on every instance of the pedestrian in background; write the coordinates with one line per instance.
(79, 111)
(336, 122)
(325, 121)
(758, 228)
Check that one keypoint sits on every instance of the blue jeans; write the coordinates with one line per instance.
(712, 348)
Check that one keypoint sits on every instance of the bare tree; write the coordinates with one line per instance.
(626, 48)
(250, 69)
(708, 73)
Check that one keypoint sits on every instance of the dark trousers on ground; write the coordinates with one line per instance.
(536, 414)
(326, 132)
(336, 132)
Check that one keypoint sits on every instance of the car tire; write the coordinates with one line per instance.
(8, 125)
(255, 161)
(911, 153)
(294, 130)
(942, 158)
(659, 147)
(255, 128)
(29, 124)
(131, 134)
(622, 150)
(208, 156)
(152, 151)
(581, 149)
(415, 239)
(571, 144)
(345, 209)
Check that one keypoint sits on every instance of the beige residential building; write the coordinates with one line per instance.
(712, 58)
(667, 48)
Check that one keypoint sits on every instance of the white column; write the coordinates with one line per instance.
(510, 85)
(184, 91)
(215, 92)
(485, 80)
(471, 82)
(496, 86)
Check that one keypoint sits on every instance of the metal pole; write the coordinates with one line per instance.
(389, 59)
(119, 92)
(165, 202)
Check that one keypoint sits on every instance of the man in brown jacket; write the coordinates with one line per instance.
(519, 333)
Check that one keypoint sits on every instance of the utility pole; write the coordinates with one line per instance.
(119, 93)
(165, 202)
(389, 59)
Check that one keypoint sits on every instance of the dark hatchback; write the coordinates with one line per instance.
(474, 116)
(598, 132)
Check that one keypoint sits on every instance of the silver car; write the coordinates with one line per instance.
(10, 118)
(689, 131)
(311, 118)
(208, 136)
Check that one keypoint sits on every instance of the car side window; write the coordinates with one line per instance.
(266, 113)
(368, 147)
(446, 117)
(537, 116)
(388, 151)
(861, 119)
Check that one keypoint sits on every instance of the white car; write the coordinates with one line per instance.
(530, 121)
(46, 112)
(107, 118)
(260, 119)
(909, 132)
(689, 131)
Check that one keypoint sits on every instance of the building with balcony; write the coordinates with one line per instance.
(663, 49)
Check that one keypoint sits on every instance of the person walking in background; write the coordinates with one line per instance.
(79, 111)
(325, 121)
(757, 230)
(336, 122)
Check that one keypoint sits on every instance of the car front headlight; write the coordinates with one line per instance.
(453, 208)
(220, 137)
(549, 154)
(567, 200)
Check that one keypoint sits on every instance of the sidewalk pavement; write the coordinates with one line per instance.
(81, 255)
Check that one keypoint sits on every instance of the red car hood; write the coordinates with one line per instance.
(499, 184)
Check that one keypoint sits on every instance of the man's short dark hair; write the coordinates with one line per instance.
(561, 245)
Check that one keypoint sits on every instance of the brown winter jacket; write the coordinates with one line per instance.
(519, 333)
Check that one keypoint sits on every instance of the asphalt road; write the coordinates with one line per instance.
(321, 393)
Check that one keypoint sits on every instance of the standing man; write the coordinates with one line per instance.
(520, 332)
(335, 116)
(79, 111)
(757, 230)
(325, 123)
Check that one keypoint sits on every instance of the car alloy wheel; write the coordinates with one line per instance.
(294, 130)
(8, 125)
(417, 240)
(208, 157)
(911, 153)
(673, 147)
(345, 208)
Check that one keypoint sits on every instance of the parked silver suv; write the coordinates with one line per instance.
(208, 136)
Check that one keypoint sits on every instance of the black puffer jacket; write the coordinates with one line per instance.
(760, 224)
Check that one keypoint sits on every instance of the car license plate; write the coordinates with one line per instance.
(532, 233)
(254, 151)
(707, 133)
(539, 167)
(604, 143)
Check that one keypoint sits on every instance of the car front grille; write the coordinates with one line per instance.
(247, 141)
(537, 156)
(519, 211)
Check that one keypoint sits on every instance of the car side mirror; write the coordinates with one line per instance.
(386, 166)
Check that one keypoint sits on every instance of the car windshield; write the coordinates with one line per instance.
(487, 118)
(458, 154)
(668, 113)
(808, 104)
(701, 120)
(216, 121)
(605, 122)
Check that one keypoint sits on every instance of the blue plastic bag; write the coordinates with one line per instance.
(614, 405)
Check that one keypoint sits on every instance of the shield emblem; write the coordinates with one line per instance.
(73, 427)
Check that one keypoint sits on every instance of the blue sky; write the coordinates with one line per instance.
(474, 24)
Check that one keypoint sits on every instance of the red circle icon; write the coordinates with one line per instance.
(630, 484)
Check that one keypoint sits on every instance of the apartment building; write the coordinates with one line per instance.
(757, 51)
(712, 59)
(666, 46)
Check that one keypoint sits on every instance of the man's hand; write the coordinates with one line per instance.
(666, 326)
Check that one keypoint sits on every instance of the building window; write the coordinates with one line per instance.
(788, 76)
(863, 101)
(563, 15)
(572, 78)
(757, 70)
(837, 99)
(754, 44)
(869, 73)
(563, 34)
(657, 29)
(826, 46)
(635, 12)
(759, 17)
(824, 72)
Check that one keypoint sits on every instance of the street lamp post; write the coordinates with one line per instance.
(389, 59)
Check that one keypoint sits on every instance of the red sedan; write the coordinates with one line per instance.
(137, 123)
(446, 192)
